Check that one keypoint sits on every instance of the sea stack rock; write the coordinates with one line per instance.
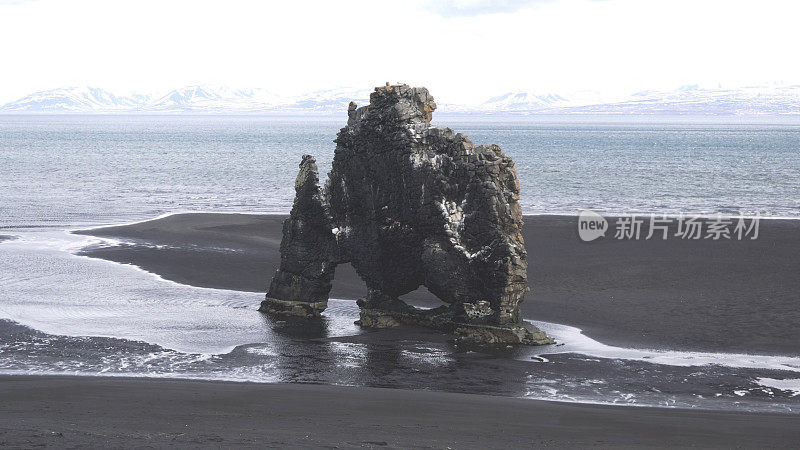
(301, 285)
(409, 205)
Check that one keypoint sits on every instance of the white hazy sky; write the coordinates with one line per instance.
(462, 51)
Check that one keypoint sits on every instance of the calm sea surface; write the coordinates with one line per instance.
(68, 170)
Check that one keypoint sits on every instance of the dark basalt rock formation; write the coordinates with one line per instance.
(409, 204)
(301, 285)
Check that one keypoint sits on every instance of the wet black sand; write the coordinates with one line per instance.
(67, 412)
(727, 295)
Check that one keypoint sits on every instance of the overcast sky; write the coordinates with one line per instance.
(461, 50)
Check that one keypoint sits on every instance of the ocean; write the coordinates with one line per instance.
(86, 170)
(62, 313)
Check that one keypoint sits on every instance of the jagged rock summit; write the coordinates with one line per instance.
(409, 205)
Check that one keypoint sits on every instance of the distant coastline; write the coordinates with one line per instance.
(209, 99)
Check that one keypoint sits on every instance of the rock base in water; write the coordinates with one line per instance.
(443, 319)
(288, 308)
(522, 333)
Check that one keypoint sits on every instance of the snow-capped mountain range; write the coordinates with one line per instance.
(189, 99)
(782, 100)
(690, 100)
(523, 101)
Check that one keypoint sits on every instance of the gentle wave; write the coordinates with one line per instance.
(791, 385)
(572, 340)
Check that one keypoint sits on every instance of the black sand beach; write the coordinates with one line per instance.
(726, 295)
(131, 413)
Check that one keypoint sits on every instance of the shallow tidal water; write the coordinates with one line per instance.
(68, 314)
(61, 313)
